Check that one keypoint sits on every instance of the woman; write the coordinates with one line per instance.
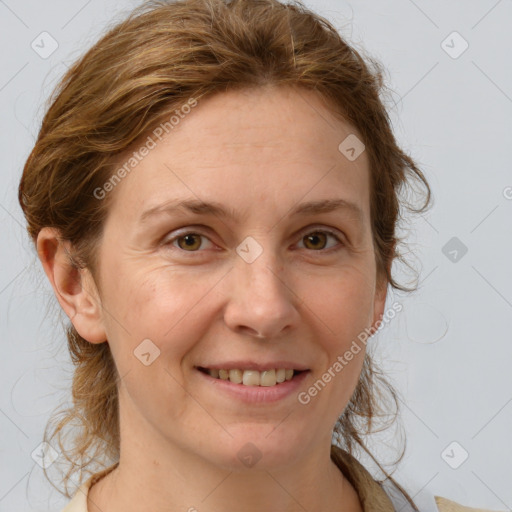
(186, 171)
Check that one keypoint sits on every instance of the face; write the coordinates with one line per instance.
(268, 282)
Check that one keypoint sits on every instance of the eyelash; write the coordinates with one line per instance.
(334, 234)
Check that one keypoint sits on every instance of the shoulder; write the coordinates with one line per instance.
(446, 505)
(79, 501)
(386, 496)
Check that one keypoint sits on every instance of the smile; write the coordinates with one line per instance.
(267, 378)
(259, 388)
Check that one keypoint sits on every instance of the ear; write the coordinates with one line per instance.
(379, 304)
(381, 292)
(74, 288)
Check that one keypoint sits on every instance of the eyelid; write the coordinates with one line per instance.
(189, 230)
(329, 231)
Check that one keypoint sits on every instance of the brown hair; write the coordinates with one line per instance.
(144, 68)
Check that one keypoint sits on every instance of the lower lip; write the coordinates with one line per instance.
(257, 394)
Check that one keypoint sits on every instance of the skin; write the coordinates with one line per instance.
(260, 152)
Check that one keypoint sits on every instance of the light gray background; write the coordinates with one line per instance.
(448, 352)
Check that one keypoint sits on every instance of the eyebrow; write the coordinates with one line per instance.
(214, 208)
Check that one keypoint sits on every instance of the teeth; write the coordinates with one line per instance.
(235, 376)
(253, 377)
(250, 377)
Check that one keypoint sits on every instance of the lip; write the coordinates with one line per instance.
(255, 394)
(253, 365)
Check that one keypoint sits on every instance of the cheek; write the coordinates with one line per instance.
(343, 301)
(156, 320)
(342, 308)
(161, 305)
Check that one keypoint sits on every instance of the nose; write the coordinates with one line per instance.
(262, 303)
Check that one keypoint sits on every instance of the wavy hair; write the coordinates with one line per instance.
(140, 71)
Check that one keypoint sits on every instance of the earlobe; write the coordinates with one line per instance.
(74, 288)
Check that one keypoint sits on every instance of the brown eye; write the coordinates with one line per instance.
(191, 241)
(316, 239)
(188, 241)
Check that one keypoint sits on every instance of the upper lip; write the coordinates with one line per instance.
(253, 365)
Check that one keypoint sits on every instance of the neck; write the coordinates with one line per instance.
(127, 489)
(162, 476)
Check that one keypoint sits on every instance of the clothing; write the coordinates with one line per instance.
(374, 496)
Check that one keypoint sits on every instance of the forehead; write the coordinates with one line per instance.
(245, 146)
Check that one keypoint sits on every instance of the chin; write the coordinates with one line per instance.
(258, 450)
